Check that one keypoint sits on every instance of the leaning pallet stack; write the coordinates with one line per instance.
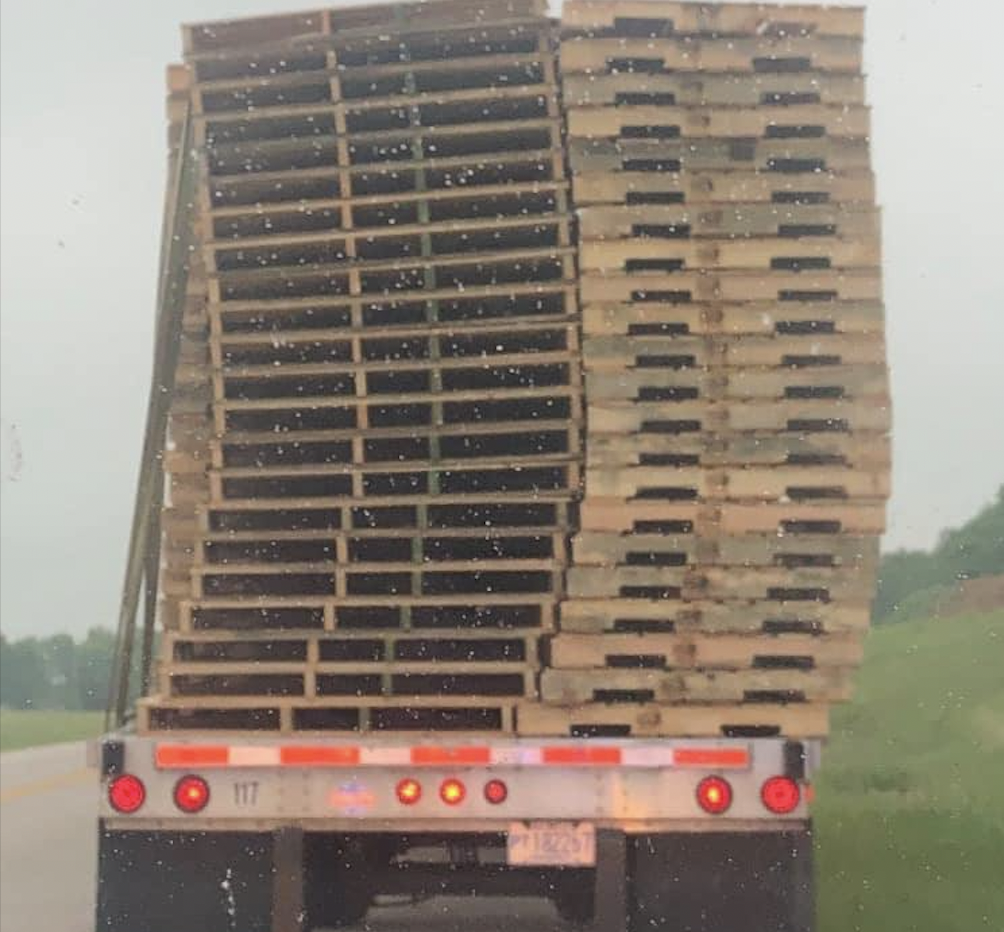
(395, 372)
(736, 392)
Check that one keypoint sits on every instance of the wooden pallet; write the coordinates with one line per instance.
(674, 225)
(756, 583)
(661, 121)
(862, 449)
(703, 617)
(464, 715)
(679, 651)
(470, 613)
(793, 189)
(684, 287)
(671, 687)
(785, 158)
(599, 720)
(813, 416)
(614, 515)
(667, 17)
(783, 92)
(592, 548)
(762, 54)
(794, 319)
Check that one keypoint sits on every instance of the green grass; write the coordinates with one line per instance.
(26, 729)
(910, 801)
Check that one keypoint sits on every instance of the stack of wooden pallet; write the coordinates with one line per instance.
(737, 405)
(369, 530)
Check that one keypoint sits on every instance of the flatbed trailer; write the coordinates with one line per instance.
(291, 835)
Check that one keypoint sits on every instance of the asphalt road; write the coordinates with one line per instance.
(48, 851)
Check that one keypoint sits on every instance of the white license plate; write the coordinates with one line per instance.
(534, 844)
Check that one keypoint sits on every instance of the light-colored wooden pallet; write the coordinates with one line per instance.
(591, 548)
(683, 89)
(683, 287)
(785, 318)
(863, 449)
(850, 382)
(653, 720)
(221, 37)
(767, 484)
(674, 224)
(508, 612)
(578, 688)
(678, 651)
(814, 416)
(833, 584)
(806, 189)
(615, 515)
(714, 53)
(654, 121)
(785, 158)
(659, 17)
(654, 616)
(460, 715)
(647, 254)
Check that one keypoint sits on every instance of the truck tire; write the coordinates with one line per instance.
(722, 881)
(337, 881)
(574, 897)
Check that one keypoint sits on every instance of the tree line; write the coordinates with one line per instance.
(911, 582)
(56, 672)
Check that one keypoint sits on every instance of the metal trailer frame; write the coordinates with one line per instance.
(661, 862)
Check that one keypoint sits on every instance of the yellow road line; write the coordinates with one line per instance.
(35, 787)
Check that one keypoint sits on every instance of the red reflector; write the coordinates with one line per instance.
(452, 792)
(579, 755)
(496, 792)
(301, 756)
(191, 755)
(126, 793)
(191, 794)
(711, 757)
(781, 795)
(409, 791)
(714, 795)
(439, 756)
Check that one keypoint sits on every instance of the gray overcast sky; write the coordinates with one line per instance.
(82, 167)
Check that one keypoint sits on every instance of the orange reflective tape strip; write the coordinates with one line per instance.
(711, 757)
(424, 756)
(172, 756)
(581, 756)
(295, 755)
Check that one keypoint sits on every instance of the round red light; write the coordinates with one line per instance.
(126, 793)
(781, 795)
(714, 795)
(409, 791)
(191, 794)
(452, 792)
(496, 792)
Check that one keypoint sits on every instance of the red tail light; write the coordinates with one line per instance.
(126, 793)
(191, 794)
(452, 792)
(496, 792)
(409, 792)
(714, 795)
(781, 795)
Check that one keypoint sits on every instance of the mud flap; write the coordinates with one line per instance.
(720, 882)
(168, 881)
(611, 911)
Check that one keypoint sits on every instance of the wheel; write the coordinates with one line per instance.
(574, 899)
(337, 888)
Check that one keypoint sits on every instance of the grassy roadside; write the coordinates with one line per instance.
(26, 729)
(910, 803)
